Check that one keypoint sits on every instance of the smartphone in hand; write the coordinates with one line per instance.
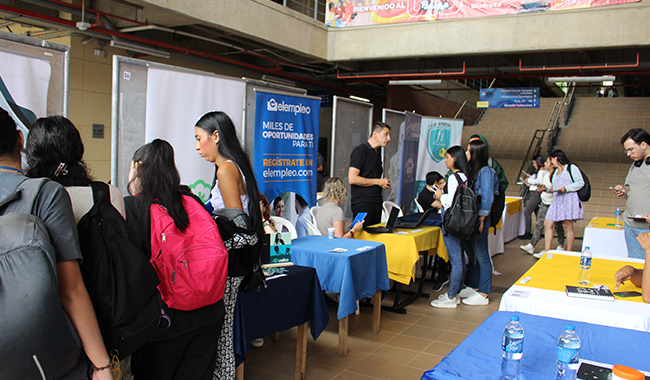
(359, 218)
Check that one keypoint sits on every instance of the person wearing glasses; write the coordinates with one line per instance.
(636, 189)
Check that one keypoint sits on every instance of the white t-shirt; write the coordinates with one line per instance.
(447, 198)
(82, 200)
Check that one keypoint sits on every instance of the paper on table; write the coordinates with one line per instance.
(418, 230)
(525, 280)
(401, 233)
(276, 276)
(364, 248)
(338, 250)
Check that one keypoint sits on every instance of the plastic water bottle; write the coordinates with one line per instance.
(618, 216)
(568, 354)
(512, 348)
(585, 266)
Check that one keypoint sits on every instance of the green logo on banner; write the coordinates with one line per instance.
(438, 140)
(201, 189)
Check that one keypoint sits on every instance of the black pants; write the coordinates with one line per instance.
(190, 355)
(373, 210)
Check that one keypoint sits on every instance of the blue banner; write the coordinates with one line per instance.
(515, 97)
(286, 145)
(411, 141)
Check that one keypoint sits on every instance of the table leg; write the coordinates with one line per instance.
(376, 312)
(239, 372)
(343, 337)
(301, 352)
(275, 336)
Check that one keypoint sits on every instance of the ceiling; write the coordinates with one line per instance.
(170, 32)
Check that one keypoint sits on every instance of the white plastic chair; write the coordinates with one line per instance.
(281, 222)
(313, 212)
(419, 206)
(312, 229)
(388, 205)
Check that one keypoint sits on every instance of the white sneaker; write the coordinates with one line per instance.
(540, 254)
(528, 248)
(560, 248)
(467, 292)
(445, 302)
(257, 343)
(476, 300)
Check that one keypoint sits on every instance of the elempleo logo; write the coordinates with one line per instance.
(272, 105)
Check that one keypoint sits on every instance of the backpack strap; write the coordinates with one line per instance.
(101, 192)
(568, 168)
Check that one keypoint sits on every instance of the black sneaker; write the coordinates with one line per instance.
(439, 283)
(526, 236)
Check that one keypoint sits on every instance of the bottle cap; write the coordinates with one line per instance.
(627, 373)
(570, 327)
(587, 247)
(514, 318)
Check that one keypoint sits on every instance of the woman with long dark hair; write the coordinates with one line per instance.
(533, 180)
(186, 349)
(54, 150)
(234, 190)
(456, 161)
(566, 207)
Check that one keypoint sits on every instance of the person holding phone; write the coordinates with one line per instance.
(636, 189)
(331, 214)
(434, 181)
(637, 276)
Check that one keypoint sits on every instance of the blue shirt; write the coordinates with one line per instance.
(301, 226)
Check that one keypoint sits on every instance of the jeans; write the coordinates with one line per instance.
(455, 252)
(480, 266)
(634, 249)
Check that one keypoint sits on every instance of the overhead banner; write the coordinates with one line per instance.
(345, 13)
(286, 145)
(438, 135)
(515, 97)
(409, 144)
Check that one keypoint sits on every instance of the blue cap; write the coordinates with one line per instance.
(570, 327)
(514, 318)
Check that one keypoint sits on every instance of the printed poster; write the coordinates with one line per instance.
(286, 145)
(409, 144)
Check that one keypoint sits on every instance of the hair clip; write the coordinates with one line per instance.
(61, 169)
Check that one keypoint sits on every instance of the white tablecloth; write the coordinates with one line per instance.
(604, 241)
(511, 227)
(555, 304)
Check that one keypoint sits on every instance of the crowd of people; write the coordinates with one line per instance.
(198, 343)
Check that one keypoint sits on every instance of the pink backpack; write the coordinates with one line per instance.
(192, 266)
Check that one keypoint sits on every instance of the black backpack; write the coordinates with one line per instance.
(461, 219)
(585, 191)
(496, 212)
(37, 339)
(120, 280)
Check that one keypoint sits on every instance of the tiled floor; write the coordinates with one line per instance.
(407, 345)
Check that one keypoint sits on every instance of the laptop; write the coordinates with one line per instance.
(417, 224)
(390, 224)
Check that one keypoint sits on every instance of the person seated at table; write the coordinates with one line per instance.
(267, 221)
(637, 276)
(330, 214)
(434, 181)
(302, 210)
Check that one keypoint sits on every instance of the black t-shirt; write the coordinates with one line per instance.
(425, 199)
(368, 161)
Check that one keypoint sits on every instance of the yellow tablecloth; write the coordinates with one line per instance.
(562, 270)
(513, 205)
(402, 250)
(604, 222)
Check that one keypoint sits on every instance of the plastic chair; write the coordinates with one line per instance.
(312, 229)
(387, 206)
(281, 222)
(313, 212)
(419, 206)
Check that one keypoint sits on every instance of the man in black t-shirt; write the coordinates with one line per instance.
(365, 175)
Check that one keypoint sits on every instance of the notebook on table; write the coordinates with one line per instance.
(601, 294)
(390, 224)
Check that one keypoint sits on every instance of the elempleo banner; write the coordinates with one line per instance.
(286, 145)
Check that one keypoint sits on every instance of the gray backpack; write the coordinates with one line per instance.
(37, 339)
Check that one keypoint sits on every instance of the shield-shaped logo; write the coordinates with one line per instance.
(438, 140)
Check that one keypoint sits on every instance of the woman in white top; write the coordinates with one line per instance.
(534, 199)
(234, 187)
(456, 161)
(54, 150)
(330, 214)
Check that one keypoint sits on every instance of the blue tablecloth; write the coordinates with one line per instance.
(479, 355)
(286, 302)
(354, 274)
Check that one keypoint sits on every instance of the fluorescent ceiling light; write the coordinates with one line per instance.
(582, 79)
(359, 98)
(140, 49)
(414, 82)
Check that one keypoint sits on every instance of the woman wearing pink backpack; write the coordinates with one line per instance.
(191, 263)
